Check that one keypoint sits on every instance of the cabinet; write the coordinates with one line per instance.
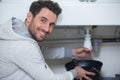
(90, 14)
(101, 12)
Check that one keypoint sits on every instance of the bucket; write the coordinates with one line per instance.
(89, 65)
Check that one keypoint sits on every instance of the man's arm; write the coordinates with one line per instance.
(28, 57)
(62, 52)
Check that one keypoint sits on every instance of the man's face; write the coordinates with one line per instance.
(42, 24)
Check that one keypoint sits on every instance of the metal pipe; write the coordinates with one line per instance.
(111, 40)
(102, 39)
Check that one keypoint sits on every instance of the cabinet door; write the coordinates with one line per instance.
(89, 12)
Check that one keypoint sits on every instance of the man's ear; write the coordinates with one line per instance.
(29, 16)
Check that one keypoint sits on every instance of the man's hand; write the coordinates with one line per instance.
(81, 73)
(81, 52)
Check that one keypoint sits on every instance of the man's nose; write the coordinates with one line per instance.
(47, 28)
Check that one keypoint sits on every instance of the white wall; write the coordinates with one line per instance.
(110, 56)
(7, 11)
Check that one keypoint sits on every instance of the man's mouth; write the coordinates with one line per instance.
(42, 34)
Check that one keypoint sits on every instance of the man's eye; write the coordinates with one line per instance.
(43, 21)
(52, 25)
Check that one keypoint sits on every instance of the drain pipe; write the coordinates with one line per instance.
(96, 43)
(111, 40)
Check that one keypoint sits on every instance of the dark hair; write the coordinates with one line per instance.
(36, 6)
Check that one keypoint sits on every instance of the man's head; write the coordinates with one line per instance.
(36, 7)
(41, 18)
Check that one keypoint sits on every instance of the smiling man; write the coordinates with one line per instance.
(42, 24)
(20, 55)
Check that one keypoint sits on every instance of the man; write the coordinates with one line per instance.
(20, 54)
